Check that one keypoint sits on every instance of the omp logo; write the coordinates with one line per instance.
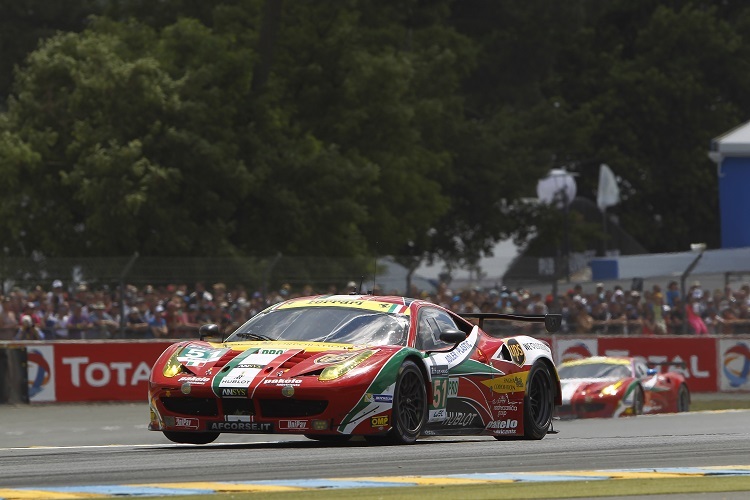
(576, 351)
(379, 421)
(737, 364)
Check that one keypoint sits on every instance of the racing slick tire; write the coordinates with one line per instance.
(683, 399)
(638, 400)
(191, 437)
(409, 407)
(538, 403)
(329, 438)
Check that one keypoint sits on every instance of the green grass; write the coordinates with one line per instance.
(720, 404)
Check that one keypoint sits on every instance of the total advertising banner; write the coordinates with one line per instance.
(734, 365)
(699, 354)
(119, 371)
(108, 371)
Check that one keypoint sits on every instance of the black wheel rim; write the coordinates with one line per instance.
(411, 402)
(638, 402)
(683, 401)
(540, 399)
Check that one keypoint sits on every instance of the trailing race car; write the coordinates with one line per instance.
(390, 369)
(601, 386)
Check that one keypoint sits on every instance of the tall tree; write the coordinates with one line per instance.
(103, 144)
(24, 23)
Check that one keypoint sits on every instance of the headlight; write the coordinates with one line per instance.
(172, 367)
(335, 371)
(611, 390)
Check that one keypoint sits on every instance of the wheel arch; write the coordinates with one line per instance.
(423, 370)
(551, 368)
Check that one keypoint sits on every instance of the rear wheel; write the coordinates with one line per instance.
(539, 402)
(683, 399)
(191, 437)
(409, 407)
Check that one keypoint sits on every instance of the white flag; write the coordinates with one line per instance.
(609, 191)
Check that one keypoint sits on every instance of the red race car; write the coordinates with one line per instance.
(390, 369)
(601, 386)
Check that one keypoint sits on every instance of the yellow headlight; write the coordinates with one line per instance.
(335, 371)
(172, 367)
(611, 390)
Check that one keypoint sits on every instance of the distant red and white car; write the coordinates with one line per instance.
(602, 386)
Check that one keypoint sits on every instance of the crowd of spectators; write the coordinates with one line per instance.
(617, 311)
(177, 311)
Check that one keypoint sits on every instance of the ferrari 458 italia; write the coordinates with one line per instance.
(389, 369)
(602, 386)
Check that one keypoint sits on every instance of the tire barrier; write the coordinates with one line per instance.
(13, 375)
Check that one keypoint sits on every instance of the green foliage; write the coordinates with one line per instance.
(347, 128)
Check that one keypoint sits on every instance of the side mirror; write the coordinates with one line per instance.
(651, 371)
(452, 336)
(210, 330)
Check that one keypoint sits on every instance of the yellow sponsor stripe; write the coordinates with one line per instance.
(613, 474)
(222, 487)
(514, 382)
(308, 346)
(10, 494)
(345, 302)
(426, 481)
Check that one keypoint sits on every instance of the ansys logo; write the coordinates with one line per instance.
(43, 372)
(737, 364)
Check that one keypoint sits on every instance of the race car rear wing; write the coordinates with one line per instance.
(552, 322)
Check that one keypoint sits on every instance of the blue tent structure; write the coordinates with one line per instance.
(731, 153)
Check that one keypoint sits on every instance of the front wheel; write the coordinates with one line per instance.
(191, 437)
(683, 399)
(638, 400)
(538, 403)
(409, 407)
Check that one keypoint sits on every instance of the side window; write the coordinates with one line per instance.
(431, 323)
(640, 369)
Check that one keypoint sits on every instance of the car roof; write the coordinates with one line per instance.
(610, 360)
(381, 303)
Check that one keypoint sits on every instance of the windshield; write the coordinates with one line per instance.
(325, 324)
(594, 370)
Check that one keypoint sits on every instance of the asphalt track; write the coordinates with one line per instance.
(78, 445)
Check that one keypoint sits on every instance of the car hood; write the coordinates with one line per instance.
(248, 364)
(572, 386)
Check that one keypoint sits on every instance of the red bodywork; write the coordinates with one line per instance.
(616, 392)
(275, 387)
